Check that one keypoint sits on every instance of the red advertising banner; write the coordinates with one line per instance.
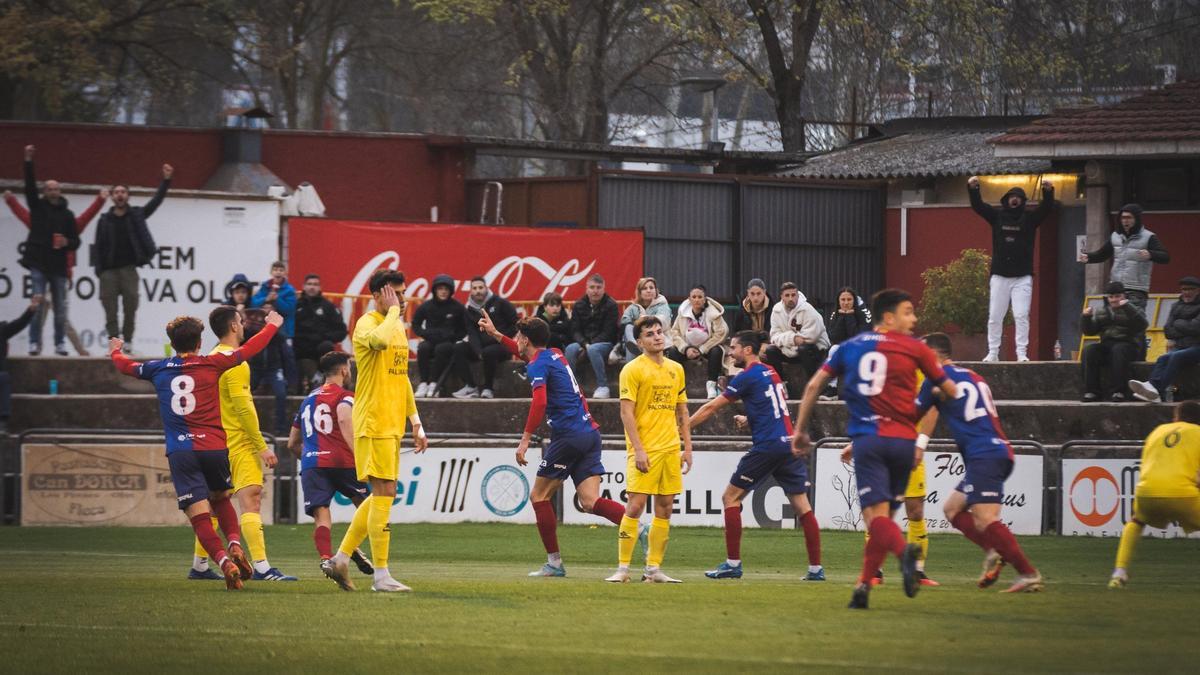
(519, 263)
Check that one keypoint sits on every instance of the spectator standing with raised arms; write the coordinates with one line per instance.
(52, 235)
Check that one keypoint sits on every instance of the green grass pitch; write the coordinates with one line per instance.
(116, 600)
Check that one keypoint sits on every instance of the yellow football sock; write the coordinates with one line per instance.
(380, 511)
(198, 548)
(627, 536)
(252, 534)
(660, 532)
(1129, 541)
(917, 534)
(357, 531)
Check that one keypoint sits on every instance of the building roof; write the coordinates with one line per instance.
(1170, 113)
(923, 147)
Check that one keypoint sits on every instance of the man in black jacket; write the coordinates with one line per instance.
(595, 324)
(1014, 232)
(123, 244)
(318, 321)
(7, 330)
(479, 345)
(1182, 330)
(440, 323)
(1122, 330)
(52, 234)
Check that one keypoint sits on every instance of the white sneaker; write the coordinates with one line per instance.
(1026, 584)
(710, 388)
(466, 392)
(1022, 358)
(390, 585)
(616, 356)
(601, 392)
(657, 577)
(486, 393)
(1144, 391)
(422, 390)
(991, 356)
(620, 577)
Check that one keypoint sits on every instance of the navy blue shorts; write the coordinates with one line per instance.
(882, 466)
(319, 484)
(789, 471)
(984, 481)
(577, 457)
(197, 473)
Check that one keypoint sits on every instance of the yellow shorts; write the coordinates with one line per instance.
(245, 469)
(377, 457)
(1162, 511)
(665, 476)
(916, 483)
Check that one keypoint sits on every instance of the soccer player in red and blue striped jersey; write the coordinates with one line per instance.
(574, 449)
(764, 398)
(877, 374)
(323, 437)
(974, 506)
(190, 406)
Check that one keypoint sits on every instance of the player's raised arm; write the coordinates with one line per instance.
(487, 326)
(380, 336)
(123, 363)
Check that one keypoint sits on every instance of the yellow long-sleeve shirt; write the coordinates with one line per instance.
(383, 395)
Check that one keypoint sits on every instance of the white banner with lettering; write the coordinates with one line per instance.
(837, 496)
(1097, 498)
(202, 243)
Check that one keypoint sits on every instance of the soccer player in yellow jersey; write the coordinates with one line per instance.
(383, 403)
(248, 451)
(1167, 491)
(655, 416)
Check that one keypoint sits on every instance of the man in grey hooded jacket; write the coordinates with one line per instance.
(1133, 250)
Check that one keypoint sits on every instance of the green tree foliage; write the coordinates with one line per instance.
(956, 294)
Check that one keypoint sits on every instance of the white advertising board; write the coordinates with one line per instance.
(1097, 497)
(837, 496)
(202, 243)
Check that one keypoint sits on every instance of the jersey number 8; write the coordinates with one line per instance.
(318, 416)
(183, 401)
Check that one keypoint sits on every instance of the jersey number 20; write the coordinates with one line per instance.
(976, 393)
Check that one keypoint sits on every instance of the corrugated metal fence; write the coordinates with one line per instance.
(721, 233)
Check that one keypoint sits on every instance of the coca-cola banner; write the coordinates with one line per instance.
(519, 263)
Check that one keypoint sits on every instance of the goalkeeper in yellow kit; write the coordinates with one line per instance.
(1167, 491)
(383, 403)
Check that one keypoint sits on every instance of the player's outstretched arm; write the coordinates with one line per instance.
(225, 361)
(801, 443)
(380, 337)
(685, 431)
(123, 363)
(706, 411)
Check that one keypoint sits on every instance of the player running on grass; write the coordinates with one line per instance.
(323, 437)
(247, 449)
(382, 406)
(762, 393)
(974, 506)
(879, 368)
(574, 449)
(189, 404)
(1167, 490)
(654, 414)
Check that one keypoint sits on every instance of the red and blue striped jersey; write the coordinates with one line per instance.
(971, 416)
(878, 381)
(317, 420)
(188, 399)
(566, 408)
(765, 400)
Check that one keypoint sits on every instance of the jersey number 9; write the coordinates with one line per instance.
(872, 370)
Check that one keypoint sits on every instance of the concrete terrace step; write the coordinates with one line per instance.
(1048, 422)
(1034, 381)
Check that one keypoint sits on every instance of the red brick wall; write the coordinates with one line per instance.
(937, 236)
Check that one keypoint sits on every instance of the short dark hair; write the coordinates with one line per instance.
(184, 333)
(748, 338)
(278, 263)
(311, 276)
(788, 286)
(220, 320)
(535, 329)
(1188, 411)
(940, 343)
(552, 298)
(331, 361)
(596, 278)
(644, 322)
(480, 279)
(384, 277)
(887, 300)
(114, 187)
(699, 287)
